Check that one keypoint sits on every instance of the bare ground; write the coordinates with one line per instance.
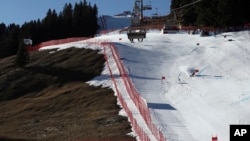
(48, 100)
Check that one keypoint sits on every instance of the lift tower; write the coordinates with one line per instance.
(137, 17)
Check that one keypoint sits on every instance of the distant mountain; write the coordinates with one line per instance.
(124, 14)
(112, 23)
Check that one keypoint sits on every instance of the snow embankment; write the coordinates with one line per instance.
(206, 80)
(184, 107)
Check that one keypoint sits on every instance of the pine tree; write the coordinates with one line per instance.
(67, 17)
(207, 13)
(2, 29)
(215, 13)
(22, 57)
(80, 20)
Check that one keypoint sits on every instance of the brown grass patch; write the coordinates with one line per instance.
(49, 100)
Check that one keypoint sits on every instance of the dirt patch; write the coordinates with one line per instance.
(49, 100)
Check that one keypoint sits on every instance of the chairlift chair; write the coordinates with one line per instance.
(148, 6)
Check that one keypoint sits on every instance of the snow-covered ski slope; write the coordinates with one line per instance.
(183, 107)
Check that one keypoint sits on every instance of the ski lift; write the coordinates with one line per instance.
(155, 15)
(175, 16)
(148, 6)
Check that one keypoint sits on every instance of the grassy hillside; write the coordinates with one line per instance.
(48, 100)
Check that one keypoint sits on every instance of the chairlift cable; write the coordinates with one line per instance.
(186, 5)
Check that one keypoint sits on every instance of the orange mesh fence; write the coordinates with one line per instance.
(55, 42)
(135, 96)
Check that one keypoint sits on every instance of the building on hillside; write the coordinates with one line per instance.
(124, 14)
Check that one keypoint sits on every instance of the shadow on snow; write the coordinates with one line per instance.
(161, 106)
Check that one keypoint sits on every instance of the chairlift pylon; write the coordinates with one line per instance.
(175, 16)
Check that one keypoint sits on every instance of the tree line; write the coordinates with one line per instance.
(212, 13)
(80, 20)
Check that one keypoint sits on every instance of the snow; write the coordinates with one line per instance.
(184, 107)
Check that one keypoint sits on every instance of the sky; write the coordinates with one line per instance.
(20, 11)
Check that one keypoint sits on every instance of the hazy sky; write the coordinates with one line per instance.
(20, 11)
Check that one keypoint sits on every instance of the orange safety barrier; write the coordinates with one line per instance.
(134, 95)
(141, 134)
